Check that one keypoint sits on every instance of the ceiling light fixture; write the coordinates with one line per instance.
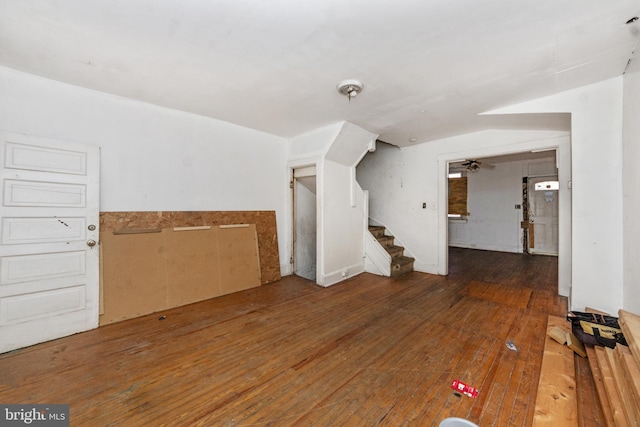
(350, 88)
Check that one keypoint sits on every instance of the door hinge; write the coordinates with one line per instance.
(291, 184)
(291, 260)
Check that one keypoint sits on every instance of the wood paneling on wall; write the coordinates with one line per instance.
(265, 222)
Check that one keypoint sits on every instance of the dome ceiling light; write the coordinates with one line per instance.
(350, 88)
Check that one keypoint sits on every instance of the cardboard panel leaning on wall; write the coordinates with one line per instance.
(153, 270)
(265, 222)
(192, 265)
(126, 295)
(238, 269)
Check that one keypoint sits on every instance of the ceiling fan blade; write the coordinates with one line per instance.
(487, 165)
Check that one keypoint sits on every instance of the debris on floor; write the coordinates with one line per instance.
(511, 346)
(464, 388)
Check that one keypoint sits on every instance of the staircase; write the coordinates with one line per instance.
(400, 264)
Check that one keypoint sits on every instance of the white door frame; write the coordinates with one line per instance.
(562, 145)
(302, 173)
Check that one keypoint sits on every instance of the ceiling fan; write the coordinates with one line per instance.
(473, 165)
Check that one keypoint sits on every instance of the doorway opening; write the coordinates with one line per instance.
(542, 159)
(304, 253)
(542, 215)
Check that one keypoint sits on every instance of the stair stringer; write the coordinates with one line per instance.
(376, 260)
(407, 252)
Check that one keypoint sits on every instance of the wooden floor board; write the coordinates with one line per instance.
(368, 351)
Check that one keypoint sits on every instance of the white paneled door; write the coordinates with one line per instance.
(49, 279)
(543, 214)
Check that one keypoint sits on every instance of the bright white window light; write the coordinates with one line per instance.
(547, 185)
(455, 175)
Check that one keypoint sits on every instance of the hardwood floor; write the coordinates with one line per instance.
(368, 351)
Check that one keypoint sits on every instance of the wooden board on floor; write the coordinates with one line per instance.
(630, 373)
(556, 403)
(617, 411)
(599, 383)
(628, 406)
(574, 344)
(630, 325)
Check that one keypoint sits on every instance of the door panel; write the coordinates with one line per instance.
(49, 282)
(38, 305)
(33, 193)
(32, 267)
(543, 215)
(48, 159)
(16, 231)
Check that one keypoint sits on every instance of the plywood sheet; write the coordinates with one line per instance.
(148, 272)
(193, 267)
(556, 403)
(265, 221)
(134, 275)
(239, 262)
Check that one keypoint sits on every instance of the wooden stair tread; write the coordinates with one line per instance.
(376, 230)
(385, 240)
(400, 264)
(394, 250)
(402, 260)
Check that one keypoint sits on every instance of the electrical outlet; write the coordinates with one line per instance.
(424, 205)
(518, 206)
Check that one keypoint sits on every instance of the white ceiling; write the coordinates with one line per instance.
(428, 66)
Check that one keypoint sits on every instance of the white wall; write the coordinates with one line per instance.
(596, 147)
(493, 223)
(401, 180)
(313, 145)
(631, 186)
(154, 158)
(342, 225)
(336, 150)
